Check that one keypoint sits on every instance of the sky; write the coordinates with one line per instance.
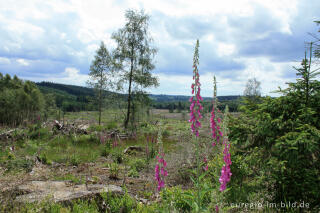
(56, 40)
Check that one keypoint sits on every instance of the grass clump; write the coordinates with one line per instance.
(114, 170)
(117, 155)
(19, 164)
(116, 203)
(70, 177)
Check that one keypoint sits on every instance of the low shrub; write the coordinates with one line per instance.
(177, 197)
(106, 150)
(18, 164)
(114, 170)
(118, 203)
(81, 206)
(117, 155)
(112, 125)
(44, 159)
(70, 177)
(137, 164)
(74, 160)
(133, 173)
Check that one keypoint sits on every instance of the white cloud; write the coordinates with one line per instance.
(270, 74)
(4, 61)
(225, 49)
(23, 62)
(71, 75)
(23, 32)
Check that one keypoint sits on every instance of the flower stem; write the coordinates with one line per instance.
(198, 174)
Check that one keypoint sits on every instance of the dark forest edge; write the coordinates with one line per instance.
(80, 98)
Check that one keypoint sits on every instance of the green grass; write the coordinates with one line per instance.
(73, 150)
(62, 149)
(70, 177)
(107, 116)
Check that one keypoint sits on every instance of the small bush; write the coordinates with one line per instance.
(85, 207)
(117, 156)
(112, 125)
(74, 160)
(11, 156)
(17, 164)
(184, 175)
(106, 150)
(137, 164)
(72, 178)
(165, 133)
(118, 203)
(36, 132)
(178, 198)
(96, 128)
(44, 159)
(133, 173)
(114, 170)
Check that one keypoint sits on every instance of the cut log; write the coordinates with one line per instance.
(57, 125)
(133, 148)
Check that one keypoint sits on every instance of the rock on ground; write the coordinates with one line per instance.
(60, 191)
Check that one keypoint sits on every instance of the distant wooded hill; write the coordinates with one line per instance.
(173, 98)
(75, 98)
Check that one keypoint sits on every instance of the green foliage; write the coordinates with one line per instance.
(106, 150)
(165, 133)
(70, 177)
(114, 170)
(178, 198)
(252, 93)
(14, 164)
(133, 173)
(74, 160)
(86, 139)
(181, 103)
(70, 150)
(282, 137)
(137, 164)
(11, 156)
(44, 159)
(117, 155)
(35, 131)
(19, 101)
(134, 57)
(77, 206)
(85, 207)
(116, 203)
(112, 125)
(100, 71)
